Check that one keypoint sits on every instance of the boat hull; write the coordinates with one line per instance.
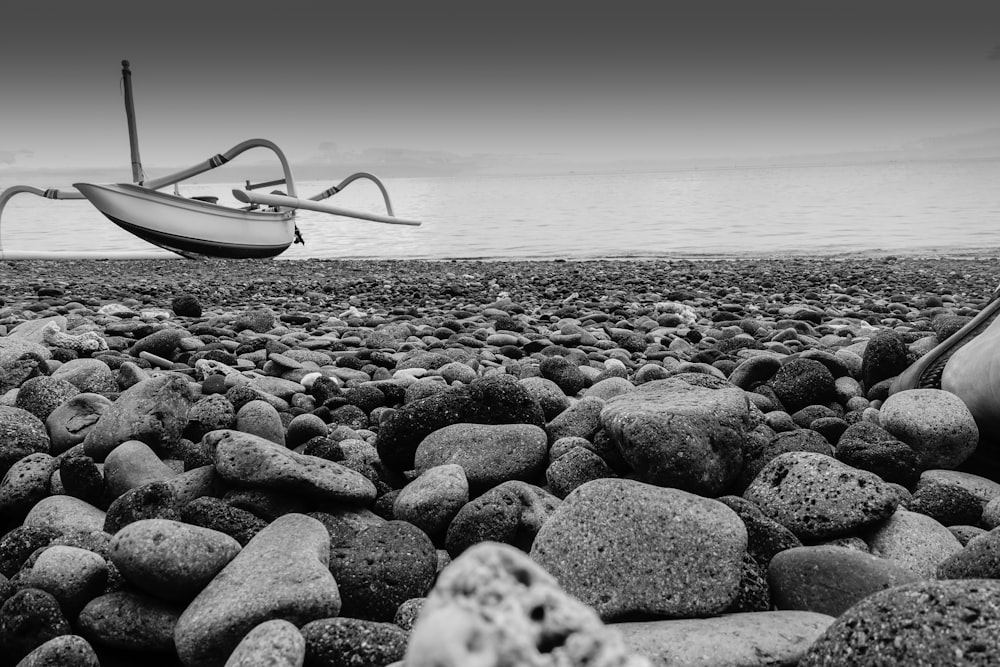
(192, 227)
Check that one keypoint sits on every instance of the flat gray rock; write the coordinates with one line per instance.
(490, 454)
(915, 541)
(817, 497)
(282, 573)
(933, 422)
(276, 643)
(249, 460)
(757, 638)
(695, 546)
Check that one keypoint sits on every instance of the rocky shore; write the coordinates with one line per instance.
(600, 463)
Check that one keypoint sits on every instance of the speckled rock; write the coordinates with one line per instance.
(81, 478)
(382, 567)
(830, 579)
(249, 460)
(564, 373)
(281, 573)
(765, 536)
(512, 513)
(948, 504)
(494, 606)
(62, 651)
(577, 466)
(25, 484)
(21, 433)
(162, 343)
(72, 575)
(924, 624)
(700, 570)
(258, 320)
(761, 638)
(818, 497)
(130, 621)
(43, 394)
(548, 394)
(220, 516)
(352, 641)
(28, 619)
(933, 422)
(72, 420)
(915, 541)
(433, 499)
(754, 371)
(153, 411)
(978, 559)
(209, 413)
(155, 500)
(275, 643)
(884, 357)
(682, 435)
(802, 382)
(88, 375)
(169, 559)
(868, 446)
(981, 487)
(489, 454)
(582, 419)
(64, 514)
(759, 451)
(261, 419)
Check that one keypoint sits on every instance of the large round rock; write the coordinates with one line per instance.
(935, 423)
(675, 433)
(694, 545)
(924, 623)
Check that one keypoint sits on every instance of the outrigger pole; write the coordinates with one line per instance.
(133, 135)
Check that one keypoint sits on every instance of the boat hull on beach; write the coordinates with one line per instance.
(192, 226)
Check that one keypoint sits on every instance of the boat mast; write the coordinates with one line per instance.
(133, 136)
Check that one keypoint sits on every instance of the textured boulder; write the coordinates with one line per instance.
(131, 622)
(21, 433)
(694, 544)
(71, 421)
(275, 643)
(924, 623)
(495, 606)
(352, 641)
(433, 499)
(915, 541)
(512, 513)
(818, 497)
(803, 382)
(678, 434)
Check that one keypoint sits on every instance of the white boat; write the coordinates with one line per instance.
(199, 226)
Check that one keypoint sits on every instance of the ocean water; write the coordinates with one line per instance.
(905, 208)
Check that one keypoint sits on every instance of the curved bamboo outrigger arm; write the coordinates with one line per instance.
(329, 192)
(222, 158)
(49, 193)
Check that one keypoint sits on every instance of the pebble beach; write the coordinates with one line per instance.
(443, 463)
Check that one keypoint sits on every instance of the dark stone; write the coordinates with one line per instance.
(575, 467)
(43, 394)
(979, 559)
(884, 358)
(949, 504)
(219, 515)
(186, 305)
(384, 566)
(765, 536)
(344, 642)
(512, 513)
(564, 373)
(28, 619)
(759, 454)
(150, 501)
(754, 593)
(18, 544)
(802, 382)
(81, 478)
(162, 343)
(868, 446)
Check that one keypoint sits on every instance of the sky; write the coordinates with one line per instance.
(446, 82)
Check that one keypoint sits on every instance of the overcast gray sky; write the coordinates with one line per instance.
(583, 79)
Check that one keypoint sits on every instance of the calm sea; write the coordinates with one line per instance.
(933, 208)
